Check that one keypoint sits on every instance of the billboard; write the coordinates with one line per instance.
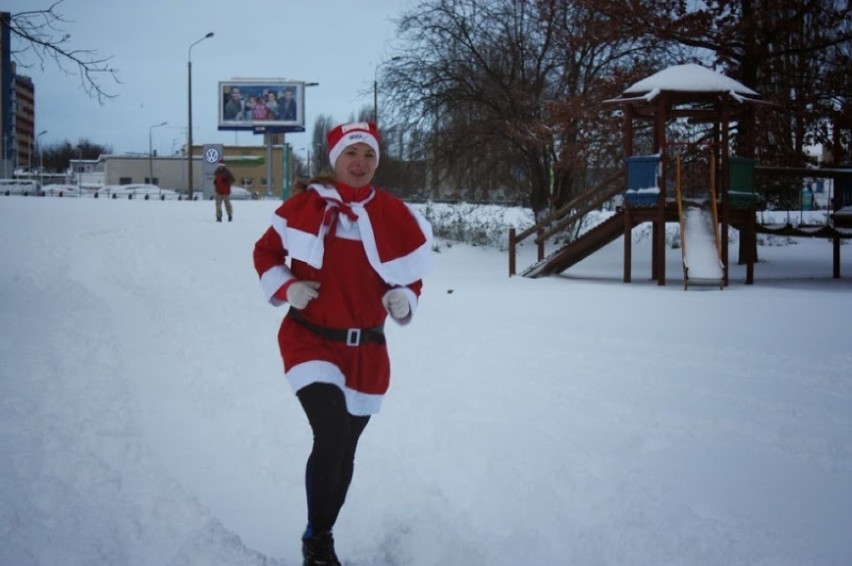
(262, 105)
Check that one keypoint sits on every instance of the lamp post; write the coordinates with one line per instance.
(79, 171)
(314, 153)
(376, 88)
(151, 153)
(313, 145)
(40, 158)
(189, 101)
(286, 179)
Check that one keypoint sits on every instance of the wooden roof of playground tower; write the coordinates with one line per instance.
(701, 89)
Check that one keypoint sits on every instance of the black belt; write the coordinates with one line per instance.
(351, 336)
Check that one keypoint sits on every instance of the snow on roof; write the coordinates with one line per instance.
(689, 78)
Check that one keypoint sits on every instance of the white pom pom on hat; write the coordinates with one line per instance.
(345, 135)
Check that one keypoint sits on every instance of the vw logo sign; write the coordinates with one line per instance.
(212, 155)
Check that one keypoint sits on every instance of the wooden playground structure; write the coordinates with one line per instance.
(700, 185)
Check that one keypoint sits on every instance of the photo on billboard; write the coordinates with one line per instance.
(262, 104)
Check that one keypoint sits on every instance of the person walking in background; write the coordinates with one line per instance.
(357, 255)
(222, 182)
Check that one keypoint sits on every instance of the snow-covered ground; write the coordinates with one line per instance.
(573, 420)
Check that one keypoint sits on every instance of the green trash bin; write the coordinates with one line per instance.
(741, 182)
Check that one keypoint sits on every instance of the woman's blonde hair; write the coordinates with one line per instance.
(301, 184)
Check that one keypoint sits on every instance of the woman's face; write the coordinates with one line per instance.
(356, 165)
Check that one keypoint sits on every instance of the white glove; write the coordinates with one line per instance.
(300, 293)
(396, 302)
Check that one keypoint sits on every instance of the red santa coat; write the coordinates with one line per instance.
(358, 243)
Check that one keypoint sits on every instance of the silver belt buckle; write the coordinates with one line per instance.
(353, 337)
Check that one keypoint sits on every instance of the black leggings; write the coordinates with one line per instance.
(332, 460)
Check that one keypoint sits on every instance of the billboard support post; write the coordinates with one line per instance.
(285, 190)
(269, 185)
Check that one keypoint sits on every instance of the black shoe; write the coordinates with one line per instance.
(230, 218)
(318, 550)
(219, 219)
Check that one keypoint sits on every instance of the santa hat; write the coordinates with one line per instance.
(221, 163)
(345, 135)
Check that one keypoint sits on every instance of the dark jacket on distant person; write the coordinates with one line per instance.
(223, 180)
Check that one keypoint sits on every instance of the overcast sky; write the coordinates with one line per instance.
(337, 43)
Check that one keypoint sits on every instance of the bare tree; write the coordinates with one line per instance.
(57, 157)
(508, 92)
(318, 161)
(472, 75)
(43, 39)
(598, 63)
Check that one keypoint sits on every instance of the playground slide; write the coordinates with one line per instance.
(701, 261)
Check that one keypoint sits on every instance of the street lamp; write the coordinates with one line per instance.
(150, 152)
(313, 145)
(40, 157)
(287, 174)
(80, 171)
(314, 152)
(310, 167)
(189, 100)
(376, 88)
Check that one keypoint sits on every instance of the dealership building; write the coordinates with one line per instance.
(249, 164)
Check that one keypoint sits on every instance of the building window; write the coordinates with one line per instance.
(125, 180)
(247, 182)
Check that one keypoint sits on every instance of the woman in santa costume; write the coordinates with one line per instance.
(357, 254)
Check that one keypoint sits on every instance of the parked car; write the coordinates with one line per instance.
(19, 187)
(239, 193)
(60, 190)
(136, 191)
(197, 194)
